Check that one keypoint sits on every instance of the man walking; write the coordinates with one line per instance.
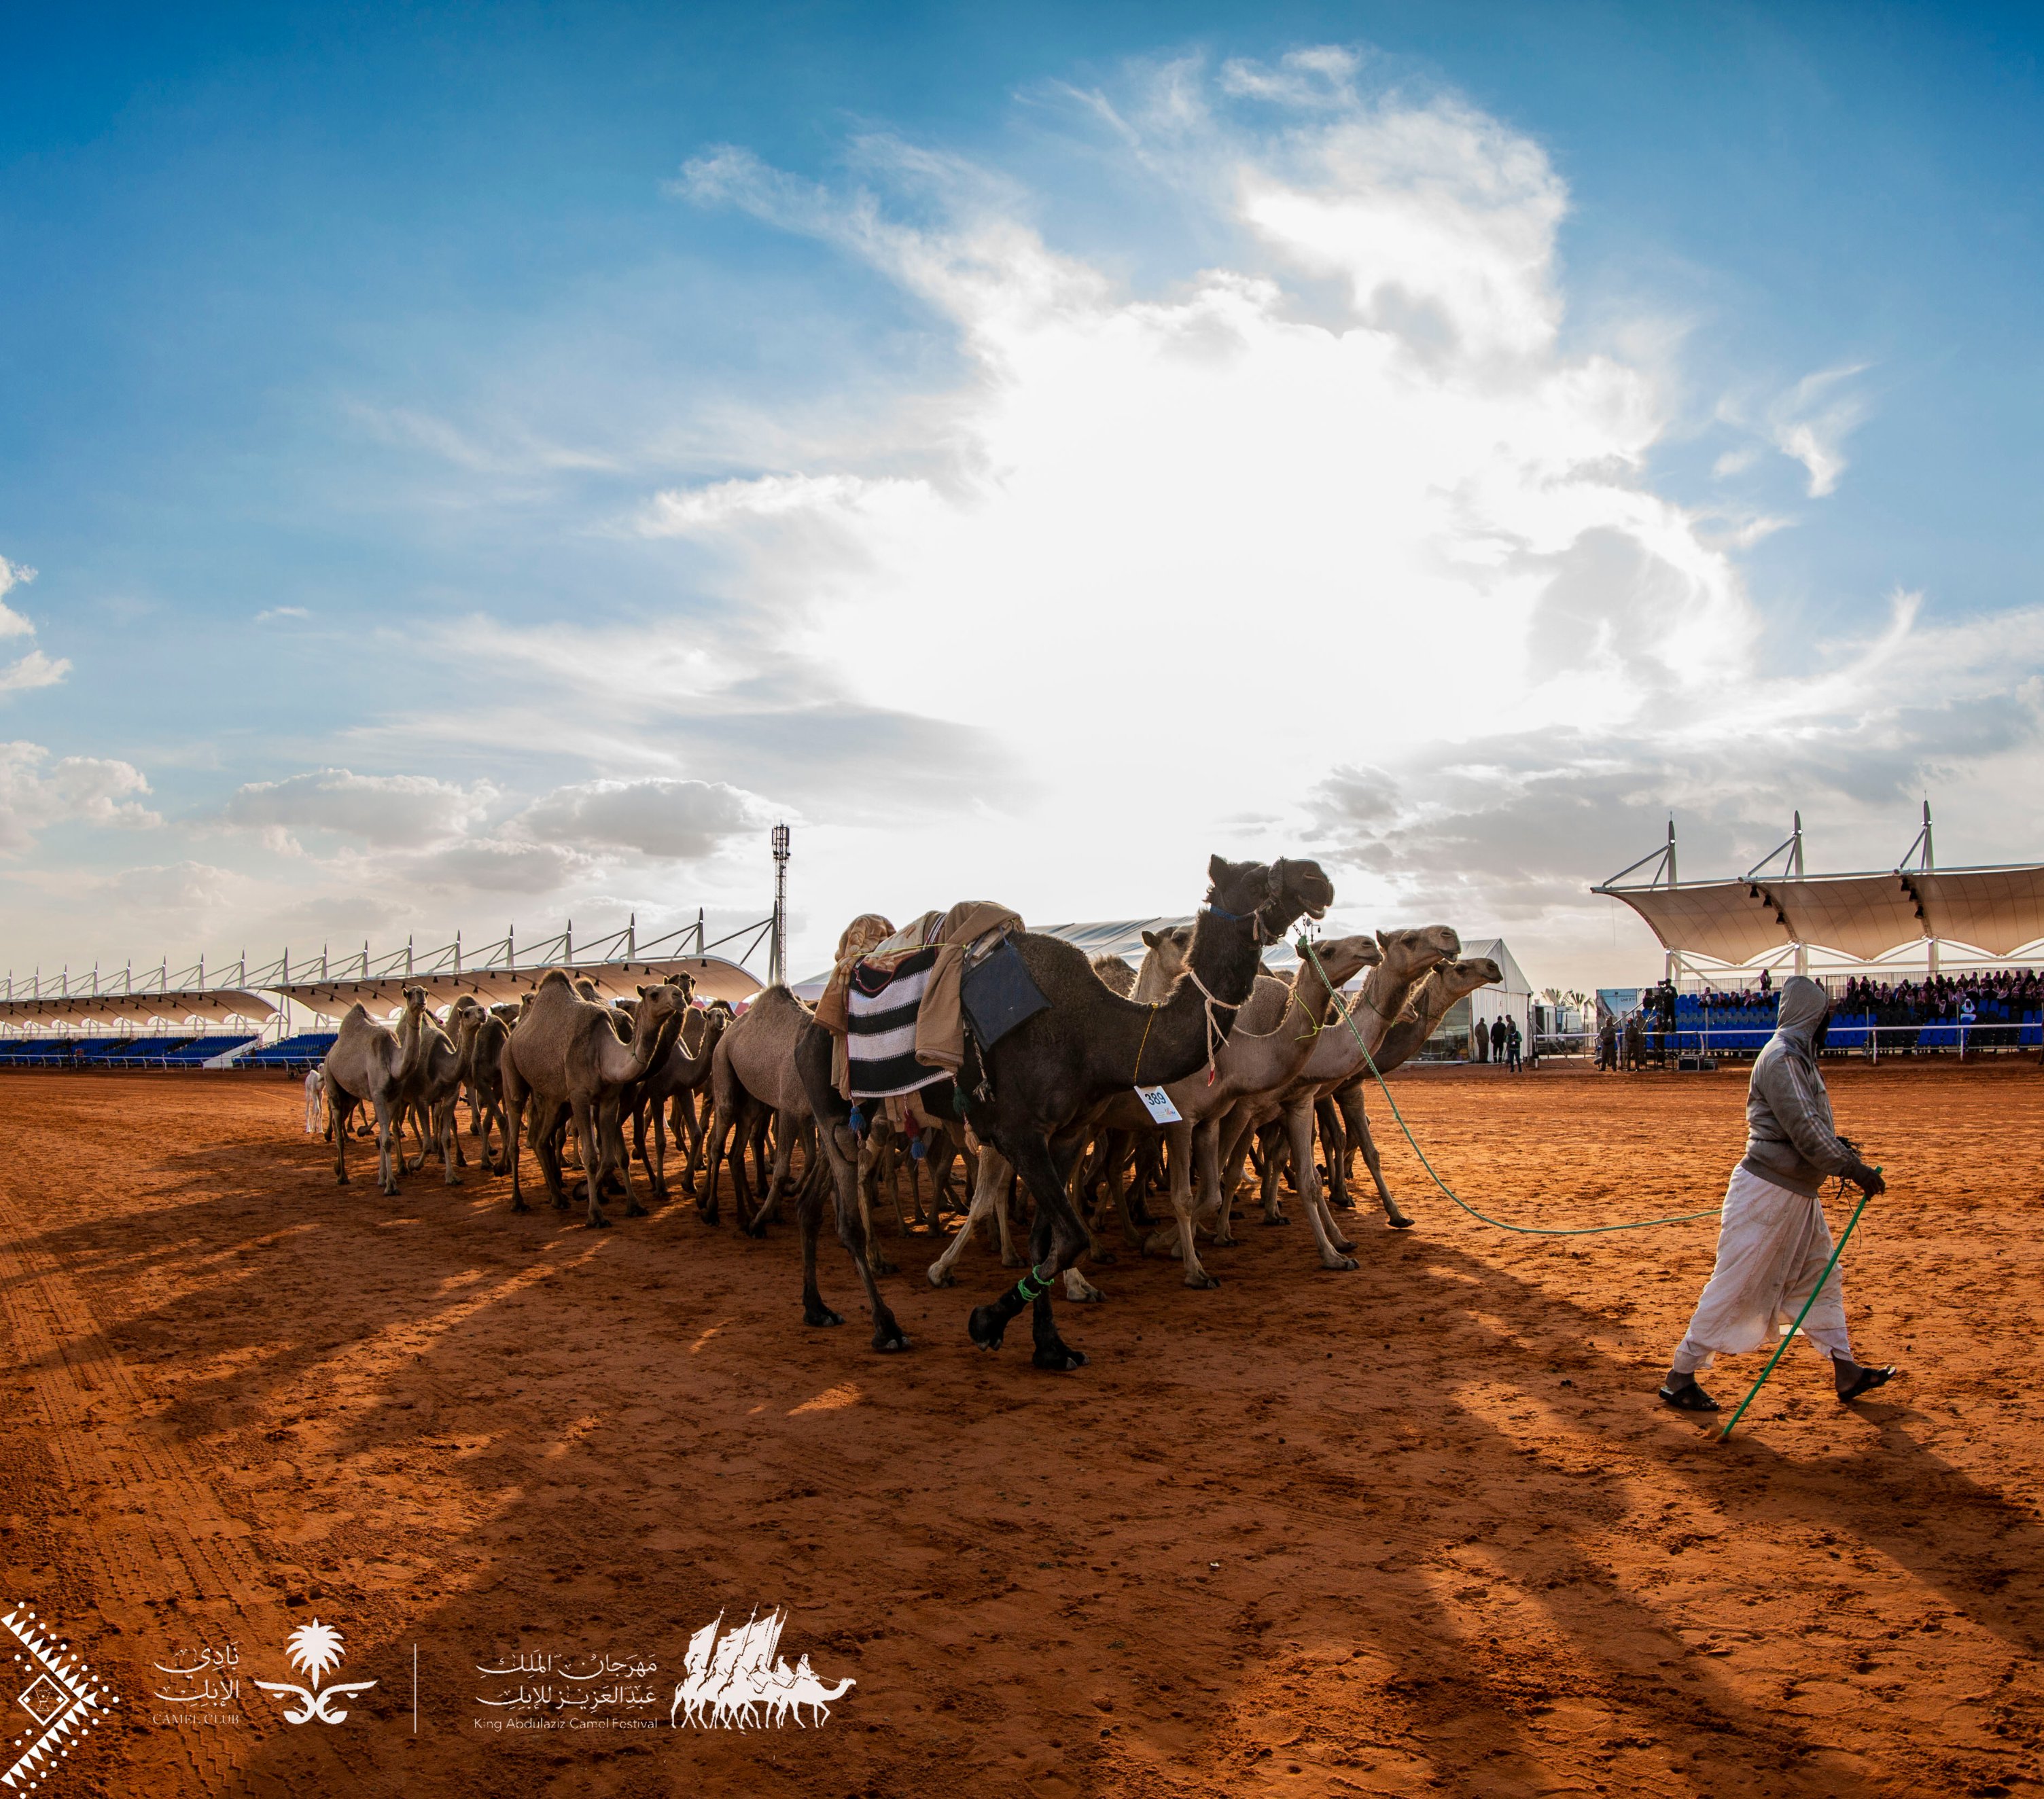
(1512, 1040)
(1497, 1039)
(1773, 1243)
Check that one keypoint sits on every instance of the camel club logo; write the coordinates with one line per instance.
(315, 1649)
(736, 1682)
(63, 1696)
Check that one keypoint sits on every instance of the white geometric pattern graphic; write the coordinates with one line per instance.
(59, 1692)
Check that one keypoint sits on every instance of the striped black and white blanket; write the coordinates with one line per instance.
(881, 1003)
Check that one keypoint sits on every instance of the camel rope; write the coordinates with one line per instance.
(1309, 954)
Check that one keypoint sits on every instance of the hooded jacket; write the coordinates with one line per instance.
(1789, 1140)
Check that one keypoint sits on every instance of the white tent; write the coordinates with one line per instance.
(177, 1007)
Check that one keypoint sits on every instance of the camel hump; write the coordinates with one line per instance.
(555, 978)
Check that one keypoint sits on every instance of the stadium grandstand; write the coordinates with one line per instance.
(285, 1014)
(1975, 932)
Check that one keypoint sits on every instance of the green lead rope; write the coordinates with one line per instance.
(1798, 1324)
(1307, 950)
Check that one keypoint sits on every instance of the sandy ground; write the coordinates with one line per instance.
(1417, 1529)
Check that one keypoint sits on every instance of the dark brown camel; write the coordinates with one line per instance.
(1026, 1094)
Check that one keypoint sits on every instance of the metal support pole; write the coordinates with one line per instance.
(777, 956)
(1930, 867)
(631, 938)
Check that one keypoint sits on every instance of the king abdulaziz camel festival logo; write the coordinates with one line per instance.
(737, 1681)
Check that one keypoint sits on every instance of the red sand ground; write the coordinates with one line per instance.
(1420, 1528)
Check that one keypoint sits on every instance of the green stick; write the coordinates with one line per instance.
(1800, 1317)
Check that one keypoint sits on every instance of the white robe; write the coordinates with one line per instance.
(1772, 1245)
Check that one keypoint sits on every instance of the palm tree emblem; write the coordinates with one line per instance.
(315, 1650)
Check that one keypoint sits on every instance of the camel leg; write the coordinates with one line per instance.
(450, 1142)
(1215, 1200)
(340, 1116)
(1055, 1240)
(389, 1147)
(1326, 1235)
(1270, 1143)
(656, 1164)
(1179, 1137)
(989, 1187)
(614, 1156)
(874, 1152)
(1003, 1211)
(514, 1125)
(591, 1148)
(1358, 1121)
(840, 1158)
(1334, 1143)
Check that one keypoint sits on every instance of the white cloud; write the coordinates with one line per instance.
(392, 810)
(270, 612)
(35, 669)
(1810, 423)
(676, 820)
(36, 792)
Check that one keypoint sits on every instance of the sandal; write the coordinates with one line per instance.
(1688, 1397)
(1869, 1379)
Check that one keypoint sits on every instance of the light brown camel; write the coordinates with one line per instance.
(428, 1097)
(1274, 1036)
(752, 1080)
(565, 1060)
(677, 1076)
(1344, 1125)
(483, 1034)
(1409, 956)
(369, 1065)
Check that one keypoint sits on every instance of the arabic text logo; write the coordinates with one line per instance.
(315, 1649)
(201, 1681)
(737, 1681)
(63, 1697)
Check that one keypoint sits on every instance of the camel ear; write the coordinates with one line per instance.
(1383, 942)
(1216, 869)
(1149, 940)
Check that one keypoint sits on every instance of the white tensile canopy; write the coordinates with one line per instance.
(714, 978)
(1996, 910)
(210, 1005)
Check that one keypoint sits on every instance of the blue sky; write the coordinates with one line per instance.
(482, 465)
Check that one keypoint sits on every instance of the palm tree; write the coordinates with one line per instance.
(316, 1648)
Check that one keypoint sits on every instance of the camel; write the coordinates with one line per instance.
(752, 1081)
(1024, 1095)
(677, 1076)
(481, 1037)
(315, 1101)
(1335, 1059)
(1274, 1035)
(1344, 1125)
(565, 1060)
(430, 1095)
(368, 1065)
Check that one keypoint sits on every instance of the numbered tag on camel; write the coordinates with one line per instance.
(1159, 1104)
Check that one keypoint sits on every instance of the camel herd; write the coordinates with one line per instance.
(1044, 1125)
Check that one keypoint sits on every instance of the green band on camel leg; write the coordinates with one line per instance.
(1029, 1295)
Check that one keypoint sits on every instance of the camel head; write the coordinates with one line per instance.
(1346, 957)
(1115, 973)
(1459, 978)
(415, 1006)
(1277, 894)
(658, 1004)
(1408, 954)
